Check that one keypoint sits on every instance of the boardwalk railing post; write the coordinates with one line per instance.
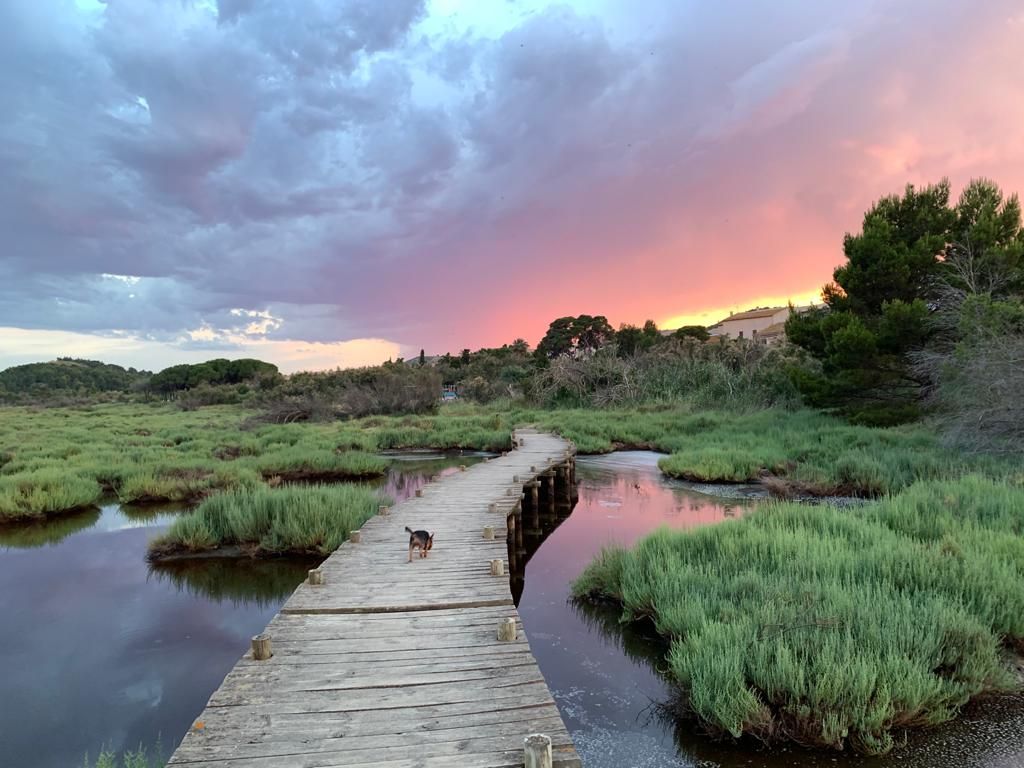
(355, 536)
(383, 510)
(537, 751)
(492, 507)
(462, 467)
(261, 647)
(419, 492)
(507, 630)
(497, 567)
(488, 532)
(316, 577)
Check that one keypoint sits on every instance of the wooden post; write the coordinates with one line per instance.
(535, 495)
(533, 469)
(355, 536)
(510, 491)
(492, 507)
(489, 532)
(261, 647)
(507, 630)
(537, 751)
(383, 510)
(497, 567)
(316, 577)
(515, 479)
(419, 492)
(462, 467)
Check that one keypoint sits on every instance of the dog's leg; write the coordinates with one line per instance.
(410, 553)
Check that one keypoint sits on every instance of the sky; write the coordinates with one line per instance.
(325, 183)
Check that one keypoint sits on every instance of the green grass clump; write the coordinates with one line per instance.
(31, 495)
(834, 627)
(138, 758)
(312, 519)
(296, 463)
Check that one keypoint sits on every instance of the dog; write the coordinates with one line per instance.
(421, 540)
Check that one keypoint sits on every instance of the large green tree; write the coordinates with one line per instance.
(878, 307)
(570, 334)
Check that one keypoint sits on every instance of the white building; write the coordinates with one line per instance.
(763, 324)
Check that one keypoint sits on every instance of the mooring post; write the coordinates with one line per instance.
(492, 507)
(510, 491)
(489, 532)
(316, 577)
(462, 467)
(497, 567)
(383, 510)
(419, 492)
(537, 751)
(507, 630)
(355, 536)
(261, 647)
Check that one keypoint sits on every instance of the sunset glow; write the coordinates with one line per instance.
(447, 174)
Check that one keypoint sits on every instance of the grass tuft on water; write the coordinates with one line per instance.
(290, 520)
(34, 494)
(833, 627)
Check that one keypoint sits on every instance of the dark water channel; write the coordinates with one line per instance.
(606, 678)
(98, 648)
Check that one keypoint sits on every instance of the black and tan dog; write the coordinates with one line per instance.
(421, 540)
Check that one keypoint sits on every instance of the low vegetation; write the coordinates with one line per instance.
(296, 520)
(59, 460)
(830, 628)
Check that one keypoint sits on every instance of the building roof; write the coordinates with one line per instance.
(751, 314)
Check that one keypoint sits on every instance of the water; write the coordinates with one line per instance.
(607, 678)
(98, 648)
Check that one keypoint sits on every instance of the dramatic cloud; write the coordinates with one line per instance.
(303, 180)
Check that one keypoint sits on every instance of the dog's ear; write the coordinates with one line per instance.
(431, 535)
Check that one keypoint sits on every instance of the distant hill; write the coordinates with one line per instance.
(68, 374)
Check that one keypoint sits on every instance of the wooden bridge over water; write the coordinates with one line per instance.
(389, 664)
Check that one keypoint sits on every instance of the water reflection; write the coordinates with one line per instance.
(261, 583)
(100, 649)
(610, 679)
(41, 533)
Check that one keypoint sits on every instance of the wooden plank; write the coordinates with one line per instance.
(390, 664)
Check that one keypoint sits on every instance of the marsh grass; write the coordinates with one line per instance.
(59, 459)
(31, 495)
(298, 520)
(298, 463)
(831, 627)
(138, 758)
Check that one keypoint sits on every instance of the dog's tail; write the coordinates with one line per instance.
(408, 530)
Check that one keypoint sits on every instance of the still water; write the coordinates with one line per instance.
(98, 648)
(606, 678)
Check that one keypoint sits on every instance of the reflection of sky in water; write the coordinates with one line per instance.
(97, 649)
(606, 677)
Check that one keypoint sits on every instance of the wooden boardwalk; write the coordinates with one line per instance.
(390, 664)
